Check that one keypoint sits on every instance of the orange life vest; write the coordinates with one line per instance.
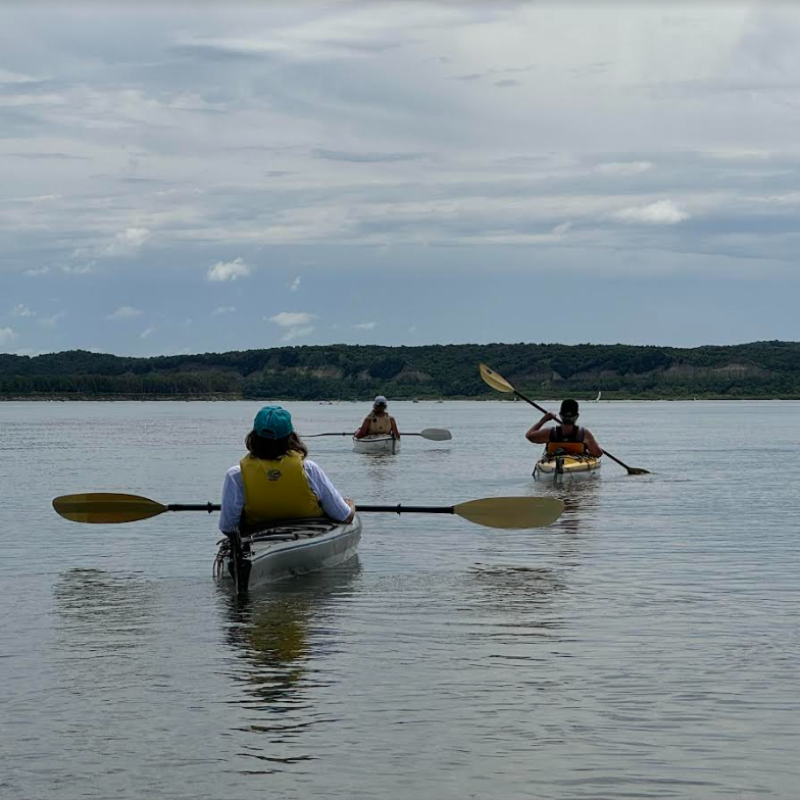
(567, 444)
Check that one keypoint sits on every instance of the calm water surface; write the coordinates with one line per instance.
(644, 646)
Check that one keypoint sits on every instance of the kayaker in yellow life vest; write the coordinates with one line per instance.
(379, 422)
(567, 436)
(275, 481)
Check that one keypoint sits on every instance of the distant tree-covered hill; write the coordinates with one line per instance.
(760, 369)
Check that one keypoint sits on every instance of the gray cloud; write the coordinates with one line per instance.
(366, 158)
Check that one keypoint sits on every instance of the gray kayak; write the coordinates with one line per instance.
(285, 549)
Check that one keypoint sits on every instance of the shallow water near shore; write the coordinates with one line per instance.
(646, 645)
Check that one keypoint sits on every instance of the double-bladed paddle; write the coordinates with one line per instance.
(499, 383)
(434, 434)
(492, 512)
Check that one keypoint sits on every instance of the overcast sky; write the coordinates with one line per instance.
(214, 177)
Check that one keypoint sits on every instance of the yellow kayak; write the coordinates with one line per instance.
(558, 468)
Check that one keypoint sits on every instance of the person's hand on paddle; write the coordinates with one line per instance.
(352, 510)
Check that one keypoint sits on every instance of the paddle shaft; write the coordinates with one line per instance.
(398, 509)
(432, 434)
(401, 509)
(544, 411)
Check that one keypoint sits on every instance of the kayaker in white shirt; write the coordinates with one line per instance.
(566, 432)
(275, 481)
(379, 421)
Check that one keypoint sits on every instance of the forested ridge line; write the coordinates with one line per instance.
(755, 370)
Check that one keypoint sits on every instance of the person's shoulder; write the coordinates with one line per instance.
(234, 471)
(314, 470)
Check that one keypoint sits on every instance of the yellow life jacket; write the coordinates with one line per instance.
(379, 424)
(276, 490)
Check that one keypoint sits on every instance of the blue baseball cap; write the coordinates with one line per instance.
(273, 422)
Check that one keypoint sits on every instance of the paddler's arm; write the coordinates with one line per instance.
(364, 429)
(395, 432)
(232, 503)
(591, 444)
(333, 504)
(538, 436)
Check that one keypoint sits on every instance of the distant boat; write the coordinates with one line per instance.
(415, 400)
(440, 400)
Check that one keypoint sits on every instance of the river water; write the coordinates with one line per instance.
(646, 645)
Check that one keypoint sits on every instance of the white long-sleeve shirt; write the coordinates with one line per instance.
(332, 502)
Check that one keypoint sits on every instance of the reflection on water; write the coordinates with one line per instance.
(582, 500)
(100, 610)
(528, 586)
(105, 632)
(278, 632)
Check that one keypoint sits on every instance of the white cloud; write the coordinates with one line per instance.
(296, 333)
(52, 321)
(741, 154)
(289, 319)
(365, 326)
(21, 310)
(295, 322)
(223, 310)
(662, 212)
(6, 76)
(229, 270)
(624, 168)
(412, 329)
(124, 312)
(127, 242)
(82, 269)
(146, 332)
(7, 335)
(295, 284)
(34, 271)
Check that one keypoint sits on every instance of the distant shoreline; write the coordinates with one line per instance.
(755, 371)
(83, 398)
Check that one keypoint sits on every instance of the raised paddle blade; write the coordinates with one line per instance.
(436, 434)
(494, 380)
(511, 512)
(106, 507)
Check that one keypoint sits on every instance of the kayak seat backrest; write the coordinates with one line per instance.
(577, 448)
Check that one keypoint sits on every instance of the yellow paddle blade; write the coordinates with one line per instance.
(511, 512)
(494, 380)
(105, 508)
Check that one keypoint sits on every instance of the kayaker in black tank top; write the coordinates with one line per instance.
(567, 431)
